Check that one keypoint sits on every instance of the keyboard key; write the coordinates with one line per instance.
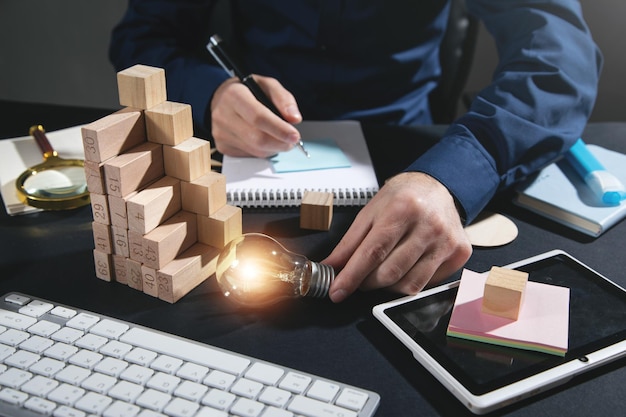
(36, 308)
(22, 359)
(82, 321)
(13, 337)
(294, 382)
(137, 374)
(167, 364)
(47, 367)
(93, 403)
(109, 328)
(44, 328)
(352, 399)
(17, 299)
(12, 396)
(275, 396)
(40, 405)
(65, 411)
(191, 391)
(121, 409)
(181, 408)
(91, 341)
(16, 320)
(219, 399)
(323, 391)
(36, 344)
(265, 374)
(140, 356)
(313, 408)
(67, 335)
(246, 388)
(14, 378)
(63, 312)
(115, 349)
(245, 407)
(39, 386)
(86, 358)
(72, 374)
(219, 379)
(126, 391)
(98, 382)
(202, 355)
(163, 382)
(192, 372)
(67, 395)
(61, 351)
(153, 399)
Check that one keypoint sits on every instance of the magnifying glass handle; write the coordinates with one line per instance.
(39, 134)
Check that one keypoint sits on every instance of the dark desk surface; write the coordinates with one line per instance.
(49, 255)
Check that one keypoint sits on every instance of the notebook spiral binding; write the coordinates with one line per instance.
(287, 198)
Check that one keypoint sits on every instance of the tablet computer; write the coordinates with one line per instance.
(485, 377)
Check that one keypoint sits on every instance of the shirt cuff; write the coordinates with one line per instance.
(464, 168)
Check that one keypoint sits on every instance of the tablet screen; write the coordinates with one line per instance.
(597, 319)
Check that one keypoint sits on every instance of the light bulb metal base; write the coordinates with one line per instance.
(321, 277)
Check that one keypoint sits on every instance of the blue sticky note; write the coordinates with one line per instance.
(324, 154)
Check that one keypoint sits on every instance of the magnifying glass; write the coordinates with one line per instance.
(56, 183)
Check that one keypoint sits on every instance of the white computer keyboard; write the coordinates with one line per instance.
(66, 362)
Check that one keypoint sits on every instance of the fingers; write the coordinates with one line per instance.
(410, 235)
(242, 126)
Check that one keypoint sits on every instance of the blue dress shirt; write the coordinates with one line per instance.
(377, 61)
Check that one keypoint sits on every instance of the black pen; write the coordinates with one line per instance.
(218, 49)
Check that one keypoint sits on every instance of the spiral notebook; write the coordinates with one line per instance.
(346, 170)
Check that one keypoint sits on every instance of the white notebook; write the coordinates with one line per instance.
(253, 182)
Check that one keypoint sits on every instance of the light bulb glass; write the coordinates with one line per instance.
(255, 270)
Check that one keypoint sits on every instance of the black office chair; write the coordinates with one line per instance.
(456, 55)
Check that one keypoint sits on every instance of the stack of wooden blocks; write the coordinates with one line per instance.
(160, 213)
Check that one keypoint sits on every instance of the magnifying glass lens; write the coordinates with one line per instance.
(57, 182)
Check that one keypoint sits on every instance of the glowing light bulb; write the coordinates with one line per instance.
(255, 270)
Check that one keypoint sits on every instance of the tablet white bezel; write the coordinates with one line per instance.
(481, 404)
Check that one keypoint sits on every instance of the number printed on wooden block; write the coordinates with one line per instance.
(149, 282)
(141, 86)
(169, 123)
(100, 208)
(154, 204)
(119, 266)
(185, 272)
(102, 237)
(134, 274)
(94, 175)
(113, 134)
(134, 169)
(103, 265)
(170, 239)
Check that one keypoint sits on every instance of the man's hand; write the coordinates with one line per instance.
(243, 126)
(409, 235)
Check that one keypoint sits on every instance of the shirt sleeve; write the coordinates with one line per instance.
(539, 100)
(171, 35)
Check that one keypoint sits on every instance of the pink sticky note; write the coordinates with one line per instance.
(542, 325)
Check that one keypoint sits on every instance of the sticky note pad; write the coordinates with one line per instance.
(323, 154)
(542, 325)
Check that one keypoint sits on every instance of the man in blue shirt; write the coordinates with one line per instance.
(377, 61)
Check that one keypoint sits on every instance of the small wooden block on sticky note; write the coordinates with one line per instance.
(141, 86)
(316, 210)
(169, 123)
(188, 160)
(504, 292)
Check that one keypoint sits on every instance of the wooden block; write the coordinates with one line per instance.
(141, 86)
(134, 169)
(113, 134)
(154, 204)
(134, 275)
(102, 237)
(188, 160)
(100, 208)
(204, 195)
(119, 239)
(149, 282)
(103, 265)
(185, 272)
(119, 267)
(170, 239)
(117, 210)
(94, 175)
(135, 245)
(504, 292)
(316, 210)
(220, 227)
(169, 123)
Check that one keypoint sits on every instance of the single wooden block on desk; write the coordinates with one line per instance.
(504, 292)
(102, 237)
(103, 265)
(100, 208)
(169, 123)
(170, 239)
(316, 210)
(141, 86)
(134, 274)
(154, 204)
(204, 195)
(188, 160)
(113, 134)
(220, 227)
(185, 272)
(134, 169)
(94, 175)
